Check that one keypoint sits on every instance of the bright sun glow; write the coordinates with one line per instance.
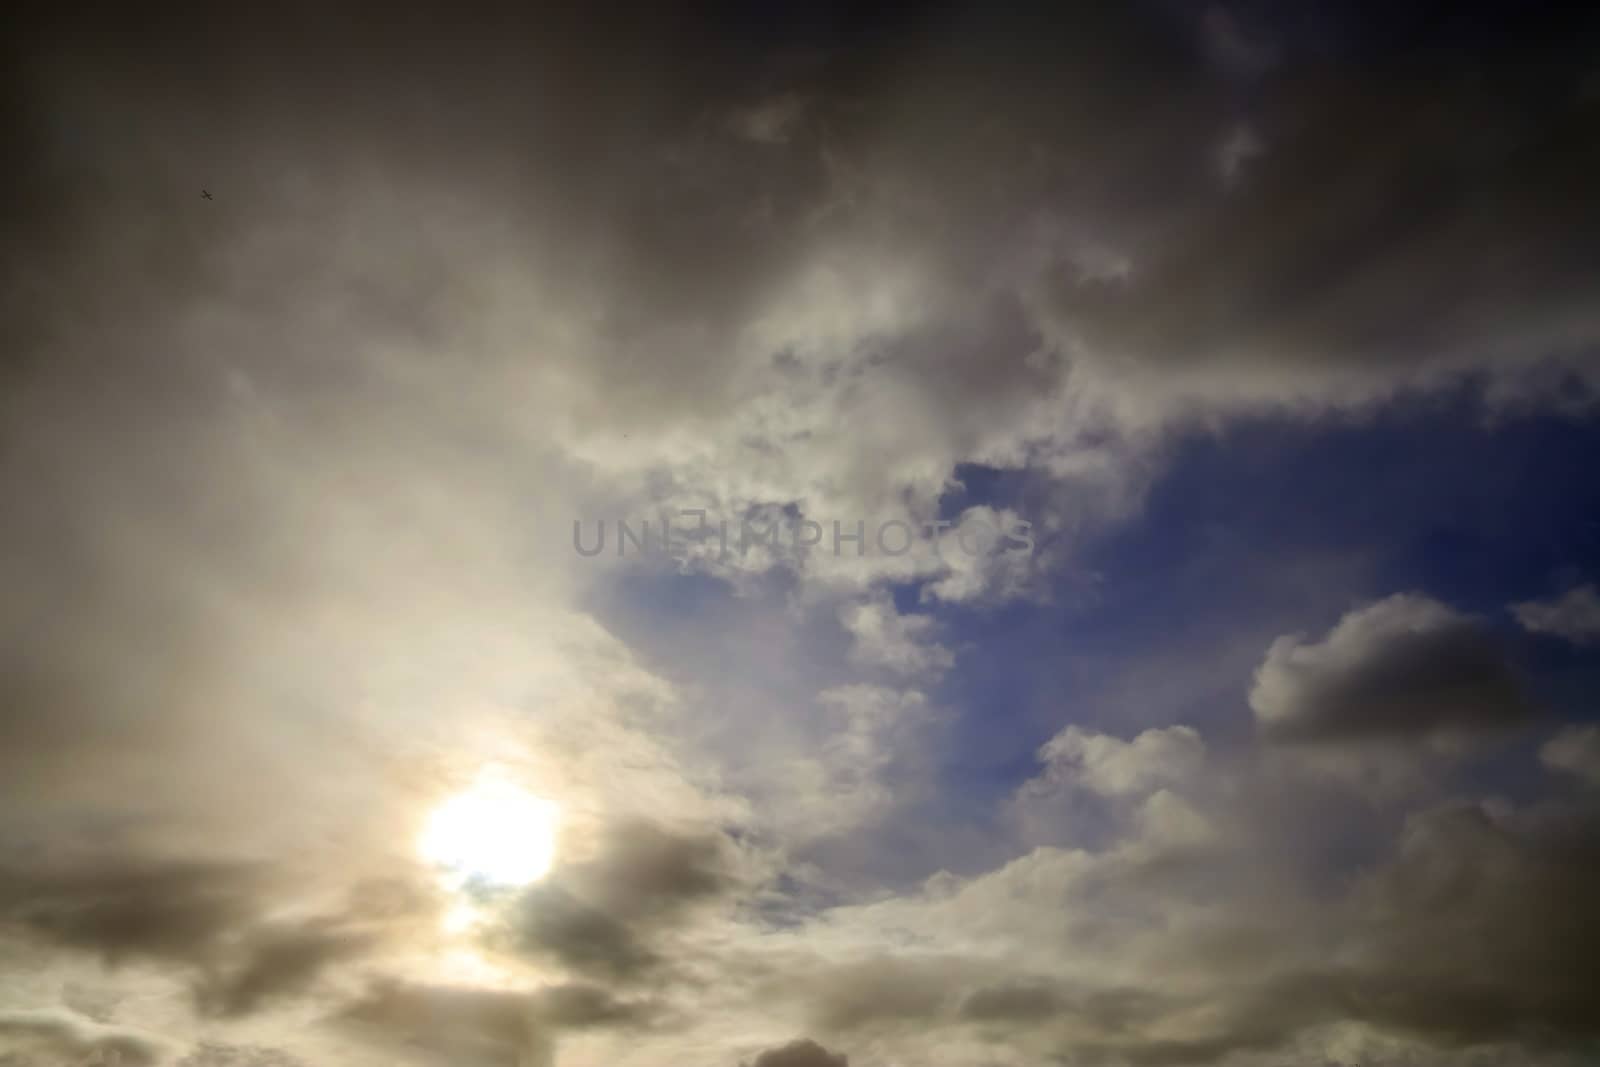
(494, 833)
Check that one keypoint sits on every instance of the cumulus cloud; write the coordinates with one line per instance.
(1114, 767)
(1091, 784)
(992, 558)
(1405, 666)
(1467, 867)
(1114, 956)
(1575, 615)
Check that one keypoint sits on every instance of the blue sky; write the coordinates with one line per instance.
(1263, 527)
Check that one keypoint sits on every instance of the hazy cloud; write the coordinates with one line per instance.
(58, 1036)
(1575, 615)
(801, 1053)
(883, 637)
(1575, 750)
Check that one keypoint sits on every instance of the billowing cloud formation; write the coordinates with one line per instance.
(1046, 962)
(1113, 767)
(1404, 666)
(1462, 867)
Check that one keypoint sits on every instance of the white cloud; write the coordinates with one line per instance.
(883, 637)
(1110, 766)
(989, 555)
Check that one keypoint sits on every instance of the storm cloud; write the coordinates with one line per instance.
(1403, 666)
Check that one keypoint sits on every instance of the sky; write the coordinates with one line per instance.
(1134, 596)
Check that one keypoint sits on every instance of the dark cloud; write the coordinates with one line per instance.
(604, 917)
(1473, 933)
(1392, 223)
(645, 870)
(1405, 666)
(580, 1006)
(1012, 1002)
(514, 1028)
(882, 990)
(1468, 930)
(1396, 226)
(803, 1052)
(1485, 928)
(173, 911)
(551, 921)
(279, 959)
(898, 994)
(1071, 1021)
(473, 1026)
(213, 919)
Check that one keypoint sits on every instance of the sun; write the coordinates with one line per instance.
(494, 833)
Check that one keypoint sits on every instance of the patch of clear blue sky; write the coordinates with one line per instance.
(1276, 526)
(1271, 526)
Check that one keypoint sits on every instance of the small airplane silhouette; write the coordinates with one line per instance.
(204, 194)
